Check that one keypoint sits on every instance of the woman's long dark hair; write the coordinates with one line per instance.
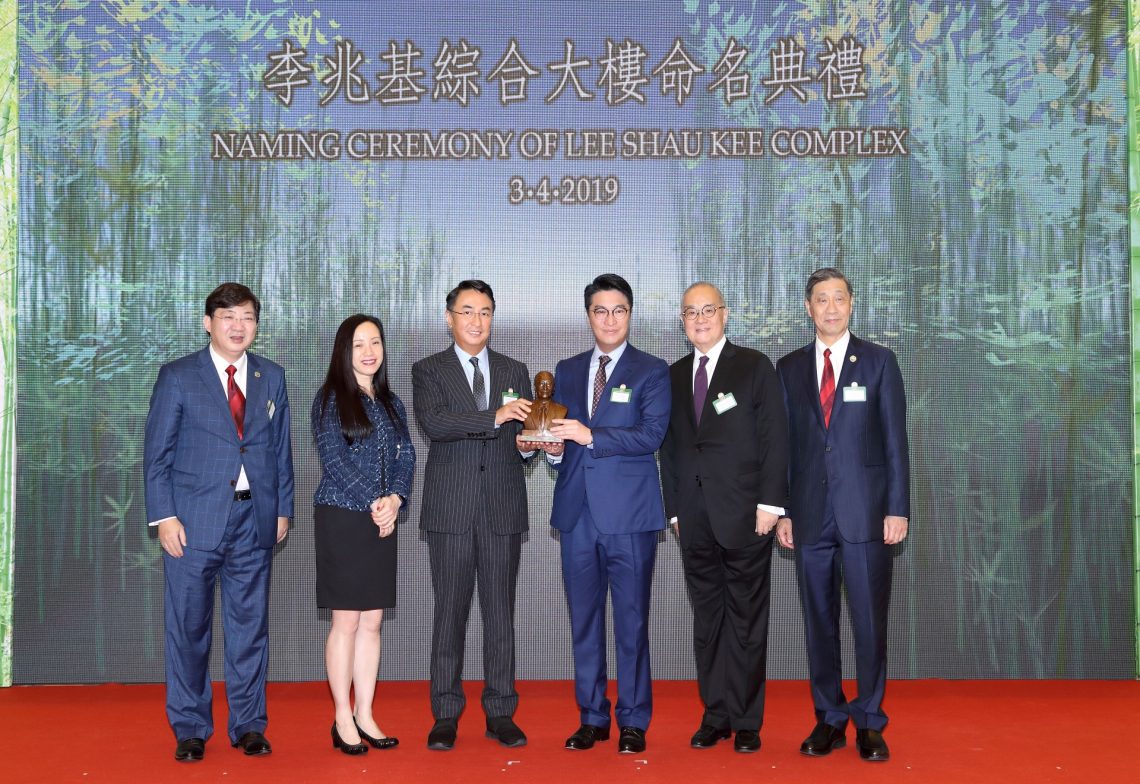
(341, 382)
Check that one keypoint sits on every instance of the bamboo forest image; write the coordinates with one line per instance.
(9, 154)
(988, 247)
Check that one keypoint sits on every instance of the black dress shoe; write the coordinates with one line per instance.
(442, 735)
(632, 740)
(746, 741)
(823, 740)
(871, 745)
(352, 749)
(586, 736)
(707, 736)
(190, 750)
(253, 743)
(504, 730)
(376, 743)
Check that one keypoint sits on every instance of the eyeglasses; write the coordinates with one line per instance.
(469, 314)
(708, 311)
(601, 314)
(229, 319)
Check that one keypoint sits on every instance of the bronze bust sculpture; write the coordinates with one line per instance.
(544, 411)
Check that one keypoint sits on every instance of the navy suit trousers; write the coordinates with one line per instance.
(243, 569)
(865, 569)
(622, 564)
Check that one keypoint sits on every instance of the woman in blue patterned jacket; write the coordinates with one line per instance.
(367, 461)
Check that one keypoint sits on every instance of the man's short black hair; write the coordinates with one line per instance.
(470, 285)
(609, 282)
(230, 295)
(826, 273)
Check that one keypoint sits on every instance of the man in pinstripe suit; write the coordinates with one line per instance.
(470, 402)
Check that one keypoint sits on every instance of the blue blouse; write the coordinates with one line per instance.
(354, 475)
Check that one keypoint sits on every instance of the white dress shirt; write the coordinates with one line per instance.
(242, 363)
(838, 352)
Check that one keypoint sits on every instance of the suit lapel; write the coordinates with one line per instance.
(845, 373)
(456, 379)
(570, 386)
(685, 398)
(811, 385)
(499, 379)
(623, 373)
(721, 382)
(213, 385)
(256, 394)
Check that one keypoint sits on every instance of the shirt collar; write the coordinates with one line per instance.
(465, 358)
(221, 363)
(838, 348)
(614, 355)
(714, 352)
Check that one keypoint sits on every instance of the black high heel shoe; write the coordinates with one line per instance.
(351, 749)
(377, 743)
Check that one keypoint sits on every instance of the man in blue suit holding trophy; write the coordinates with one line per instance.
(608, 510)
(850, 501)
(219, 489)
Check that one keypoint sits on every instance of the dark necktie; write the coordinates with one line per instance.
(237, 400)
(478, 386)
(599, 383)
(827, 388)
(700, 388)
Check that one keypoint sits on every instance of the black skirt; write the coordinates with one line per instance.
(356, 568)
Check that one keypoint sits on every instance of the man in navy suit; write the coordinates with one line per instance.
(219, 488)
(608, 510)
(850, 500)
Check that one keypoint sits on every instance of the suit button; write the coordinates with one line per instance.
(827, 449)
(482, 468)
(242, 450)
(700, 449)
(824, 482)
(233, 483)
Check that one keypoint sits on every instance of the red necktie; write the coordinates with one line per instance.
(237, 400)
(599, 383)
(827, 388)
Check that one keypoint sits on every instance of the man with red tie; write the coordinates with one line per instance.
(850, 500)
(219, 489)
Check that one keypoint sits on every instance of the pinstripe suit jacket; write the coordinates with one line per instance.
(467, 454)
(192, 454)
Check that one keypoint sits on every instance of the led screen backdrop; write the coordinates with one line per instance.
(964, 163)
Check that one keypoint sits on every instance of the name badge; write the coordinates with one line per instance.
(509, 395)
(621, 394)
(854, 393)
(724, 403)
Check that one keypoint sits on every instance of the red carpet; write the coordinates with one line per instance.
(941, 731)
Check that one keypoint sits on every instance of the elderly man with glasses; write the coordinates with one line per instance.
(724, 476)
